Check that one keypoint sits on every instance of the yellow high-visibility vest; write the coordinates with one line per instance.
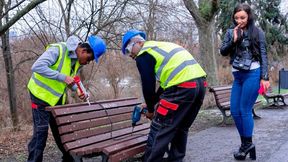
(50, 90)
(174, 64)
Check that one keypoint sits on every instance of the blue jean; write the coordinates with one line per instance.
(243, 96)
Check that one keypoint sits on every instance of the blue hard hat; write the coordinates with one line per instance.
(98, 46)
(128, 35)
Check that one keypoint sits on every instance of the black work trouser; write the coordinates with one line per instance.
(41, 120)
(175, 113)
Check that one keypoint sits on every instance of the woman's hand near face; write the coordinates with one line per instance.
(235, 33)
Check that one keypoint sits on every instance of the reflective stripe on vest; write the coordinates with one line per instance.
(50, 90)
(171, 50)
(39, 83)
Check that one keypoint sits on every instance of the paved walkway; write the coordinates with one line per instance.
(217, 144)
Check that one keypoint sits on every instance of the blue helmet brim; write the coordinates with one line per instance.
(142, 34)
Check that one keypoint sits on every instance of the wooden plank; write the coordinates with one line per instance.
(92, 115)
(225, 103)
(87, 108)
(97, 147)
(94, 131)
(224, 100)
(122, 155)
(94, 139)
(219, 97)
(222, 92)
(219, 88)
(75, 126)
(75, 110)
(49, 108)
(121, 103)
(124, 145)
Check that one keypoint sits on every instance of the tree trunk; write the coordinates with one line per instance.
(208, 52)
(204, 17)
(10, 78)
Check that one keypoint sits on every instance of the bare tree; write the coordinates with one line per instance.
(204, 16)
(5, 24)
(16, 17)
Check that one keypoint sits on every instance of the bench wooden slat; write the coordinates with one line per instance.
(122, 155)
(97, 147)
(222, 92)
(224, 100)
(93, 107)
(76, 109)
(93, 123)
(93, 131)
(222, 97)
(92, 103)
(124, 145)
(94, 139)
(92, 115)
(219, 88)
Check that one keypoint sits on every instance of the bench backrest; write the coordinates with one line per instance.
(222, 95)
(82, 124)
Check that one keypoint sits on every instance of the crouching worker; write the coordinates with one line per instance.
(52, 73)
(182, 89)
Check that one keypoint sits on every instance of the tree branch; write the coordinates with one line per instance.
(194, 11)
(20, 14)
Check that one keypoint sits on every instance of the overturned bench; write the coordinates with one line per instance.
(101, 129)
(222, 98)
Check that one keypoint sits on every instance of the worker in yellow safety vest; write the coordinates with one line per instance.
(175, 105)
(52, 73)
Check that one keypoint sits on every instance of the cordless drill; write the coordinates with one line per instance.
(136, 115)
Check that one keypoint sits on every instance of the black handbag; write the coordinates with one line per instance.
(241, 63)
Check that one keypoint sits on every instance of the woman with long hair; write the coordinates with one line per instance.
(245, 44)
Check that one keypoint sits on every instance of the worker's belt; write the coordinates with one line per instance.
(190, 84)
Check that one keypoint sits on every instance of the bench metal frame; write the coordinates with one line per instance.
(222, 98)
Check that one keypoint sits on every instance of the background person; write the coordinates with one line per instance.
(246, 46)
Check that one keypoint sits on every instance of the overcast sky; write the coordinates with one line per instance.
(284, 6)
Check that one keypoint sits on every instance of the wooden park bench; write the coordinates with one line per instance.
(101, 129)
(275, 99)
(222, 98)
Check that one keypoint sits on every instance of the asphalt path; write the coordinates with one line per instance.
(217, 144)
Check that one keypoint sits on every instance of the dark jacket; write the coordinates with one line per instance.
(259, 54)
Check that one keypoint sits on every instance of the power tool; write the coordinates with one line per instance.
(136, 115)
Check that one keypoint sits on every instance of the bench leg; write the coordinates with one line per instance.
(254, 115)
(104, 158)
(77, 158)
(224, 121)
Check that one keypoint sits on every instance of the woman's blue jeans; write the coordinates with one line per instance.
(243, 96)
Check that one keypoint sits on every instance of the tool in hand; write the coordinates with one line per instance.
(82, 89)
(136, 115)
